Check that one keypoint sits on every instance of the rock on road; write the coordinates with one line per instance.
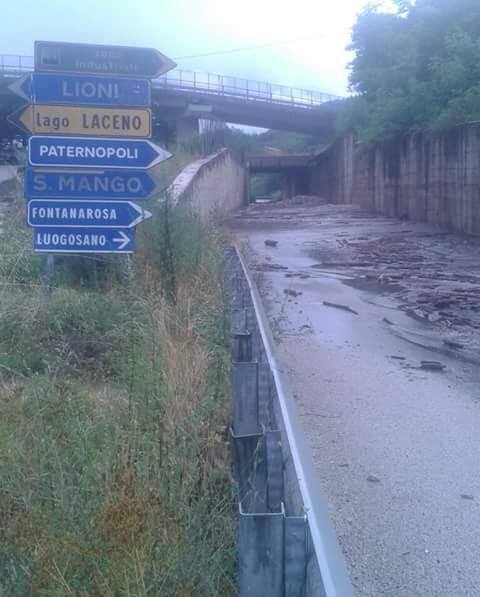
(364, 301)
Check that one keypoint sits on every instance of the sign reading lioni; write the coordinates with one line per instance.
(83, 240)
(109, 184)
(93, 214)
(84, 90)
(83, 152)
(70, 120)
(99, 59)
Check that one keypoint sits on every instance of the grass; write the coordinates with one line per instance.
(113, 410)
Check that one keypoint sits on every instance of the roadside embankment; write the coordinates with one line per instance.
(423, 177)
(210, 187)
(114, 400)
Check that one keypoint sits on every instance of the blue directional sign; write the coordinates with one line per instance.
(107, 184)
(100, 59)
(59, 213)
(81, 191)
(92, 152)
(83, 90)
(83, 240)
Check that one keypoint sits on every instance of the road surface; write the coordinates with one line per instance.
(356, 304)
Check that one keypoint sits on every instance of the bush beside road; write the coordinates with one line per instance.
(113, 408)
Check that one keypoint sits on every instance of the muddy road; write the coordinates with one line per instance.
(377, 324)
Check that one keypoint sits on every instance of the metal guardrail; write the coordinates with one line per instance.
(207, 83)
(287, 546)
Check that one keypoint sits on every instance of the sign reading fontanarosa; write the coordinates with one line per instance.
(91, 123)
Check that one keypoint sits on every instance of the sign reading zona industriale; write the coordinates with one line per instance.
(100, 59)
(73, 120)
(84, 90)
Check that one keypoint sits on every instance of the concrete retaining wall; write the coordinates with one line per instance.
(210, 187)
(423, 177)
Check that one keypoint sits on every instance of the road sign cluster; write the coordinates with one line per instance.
(90, 117)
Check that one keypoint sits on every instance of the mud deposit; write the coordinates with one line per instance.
(377, 324)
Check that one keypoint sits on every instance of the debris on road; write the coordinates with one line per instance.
(453, 344)
(291, 292)
(339, 306)
(432, 365)
(343, 264)
(270, 267)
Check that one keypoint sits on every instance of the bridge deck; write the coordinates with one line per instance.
(206, 83)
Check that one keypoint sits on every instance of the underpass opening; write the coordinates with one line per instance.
(278, 177)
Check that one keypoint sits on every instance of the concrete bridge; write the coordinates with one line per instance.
(295, 170)
(181, 98)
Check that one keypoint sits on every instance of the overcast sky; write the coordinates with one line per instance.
(316, 59)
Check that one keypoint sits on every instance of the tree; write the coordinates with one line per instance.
(416, 69)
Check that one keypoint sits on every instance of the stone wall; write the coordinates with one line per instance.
(210, 187)
(433, 178)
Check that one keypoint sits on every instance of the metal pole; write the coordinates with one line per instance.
(48, 271)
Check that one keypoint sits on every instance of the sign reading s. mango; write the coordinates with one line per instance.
(98, 122)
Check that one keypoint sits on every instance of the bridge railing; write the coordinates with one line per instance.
(206, 83)
(13, 63)
(236, 87)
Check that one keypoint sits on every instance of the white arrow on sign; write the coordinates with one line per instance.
(123, 239)
(18, 87)
(143, 214)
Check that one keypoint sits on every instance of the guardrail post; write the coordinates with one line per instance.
(295, 555)
(261, 555)
(266, 389)
(245, 402)
(275, 489)
(242, 347)
(251, 472)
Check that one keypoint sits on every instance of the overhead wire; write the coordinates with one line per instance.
(249, 48)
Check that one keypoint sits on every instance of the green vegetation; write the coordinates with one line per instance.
(418, 69)
(113, 409)
(265, 143)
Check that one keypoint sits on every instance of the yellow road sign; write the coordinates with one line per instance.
(94, 122)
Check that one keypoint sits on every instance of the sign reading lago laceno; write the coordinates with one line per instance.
(69, 120)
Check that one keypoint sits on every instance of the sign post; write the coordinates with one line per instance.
(89, 113)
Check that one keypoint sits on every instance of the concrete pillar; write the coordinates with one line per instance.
(186, 128)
